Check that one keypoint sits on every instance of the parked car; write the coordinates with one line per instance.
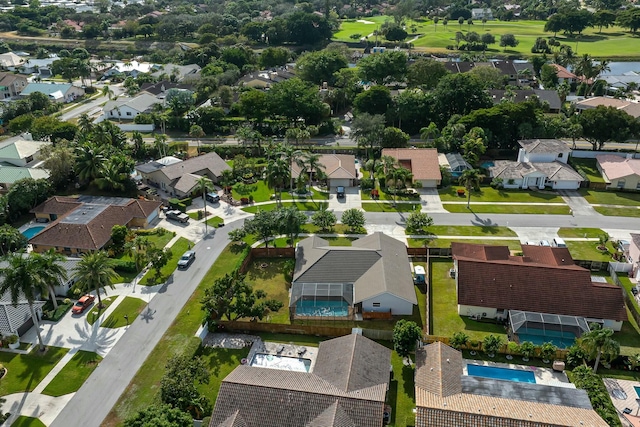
(82, 304)
(340, 192)
(544, 243)
(559, 243)
(186, 260)
(176, 215)
(531, 243)
(212, 197)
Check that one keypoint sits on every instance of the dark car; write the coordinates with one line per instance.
(212, 197)
(82, 304)
(186, 260)
(340, 192)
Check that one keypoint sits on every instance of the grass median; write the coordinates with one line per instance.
(504, 208)
(469, 230)
(131, 307)
(26, 371)
(73, 374)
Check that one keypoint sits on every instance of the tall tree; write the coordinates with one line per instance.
(94, 271)
(205, 185)
(602, 124)
(312, 164)
(23, 280)
(385, 67)
(367, 130)
(470, 179)
(291, 221)
(195, 131)
(598, 342)
(51, 272)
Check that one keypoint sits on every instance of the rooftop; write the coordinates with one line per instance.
(615, 167)
(422, 162)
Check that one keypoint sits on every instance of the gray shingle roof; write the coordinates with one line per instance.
(210, 161)
(544, 145)
(554, 171)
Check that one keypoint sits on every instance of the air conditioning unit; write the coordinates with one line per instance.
(452, 273)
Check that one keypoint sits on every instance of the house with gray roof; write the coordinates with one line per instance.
(56, 92)
(346, 387)
(541, 163)
(372, 275)
(179, 179)
(550, 97)
(129, 108)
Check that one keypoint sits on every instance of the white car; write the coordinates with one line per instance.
(544, 243)
(531, 243)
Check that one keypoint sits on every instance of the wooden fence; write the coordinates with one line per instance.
(265, 253)
(316, 330)
(385, 315)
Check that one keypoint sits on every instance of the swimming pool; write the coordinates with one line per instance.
(283, 363)
(487, 165)
(537, 336)
(501, 373)
(637, 389)
(320, 308)
(32, 231)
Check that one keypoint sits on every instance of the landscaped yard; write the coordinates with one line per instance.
(55, 315)
(95, 312)
(503, 208)
(262, 193)
(74, 374)
(514, 245)
(25, 371)
(470, 230)
(23, 421)
(267, 274)
(588, 251)
(389, 207)
(130, 306)
(589, 233)
(444, 318)
(308, 205)
(215, 221)
(337, 229)
(401, 393)
(159, 238)
(178, 248)
(220, 361)
(587, 167)
(489, 194)
(610, 197)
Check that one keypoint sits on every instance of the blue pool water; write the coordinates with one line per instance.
(501, 373)
(637, 389)
(486, 165)
(32, 231)
(538, 337)
(322, 308)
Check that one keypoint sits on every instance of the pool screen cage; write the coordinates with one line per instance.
(527, 322)
(319, 292)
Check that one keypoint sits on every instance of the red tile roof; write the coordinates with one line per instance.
(544, 281)
(422, 162)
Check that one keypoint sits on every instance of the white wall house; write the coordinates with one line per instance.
(386, 302)
(129, 108)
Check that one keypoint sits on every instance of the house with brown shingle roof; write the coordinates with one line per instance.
(446, 397)
(422, 162)
(179, 178)
(620, 173)
(340, 169)
(83, 224)
(490, 283)
(629, 107)
(346, 387)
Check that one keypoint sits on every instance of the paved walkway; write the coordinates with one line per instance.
(578, 204)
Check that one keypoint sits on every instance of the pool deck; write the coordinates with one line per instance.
(544, 376)
(623, 395)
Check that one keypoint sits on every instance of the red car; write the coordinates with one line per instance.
(83, 303)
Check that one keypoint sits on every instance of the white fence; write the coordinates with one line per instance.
(132, 127)
(621, 267)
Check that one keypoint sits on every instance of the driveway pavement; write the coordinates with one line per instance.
(350, 200)
(431, 202)
(579, 206)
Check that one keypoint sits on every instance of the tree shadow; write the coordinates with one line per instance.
(408, 378)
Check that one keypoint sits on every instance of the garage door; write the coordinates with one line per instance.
(333, 183)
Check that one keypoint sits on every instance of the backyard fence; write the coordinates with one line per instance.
(473, 345)
(368, 315)
(265, 253)
(311, 329)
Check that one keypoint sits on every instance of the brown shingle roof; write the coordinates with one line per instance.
(56, 205)
(422, 162)
(542, 283)
(547, 255)
(443, 401)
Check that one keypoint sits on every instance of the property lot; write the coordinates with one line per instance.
(610, 197)
(504, 208)
(588, 168)
(488, 194)
(25, 371)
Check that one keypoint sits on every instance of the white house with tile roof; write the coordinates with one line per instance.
(22, 152)
(129, 108)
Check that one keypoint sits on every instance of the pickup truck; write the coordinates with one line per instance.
(176, 215)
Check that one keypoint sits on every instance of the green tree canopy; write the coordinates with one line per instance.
(320, 66)
(405, 336)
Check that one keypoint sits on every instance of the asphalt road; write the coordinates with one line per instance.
(101, 391)
(90, 106)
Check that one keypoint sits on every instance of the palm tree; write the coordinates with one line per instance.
(470, 179)
(89, 162)
(138, 249)
(106, 91)
(312, 164)
(599, 342)
(398, 176)
(205, 184)
(277, 174)
(111, 178)
(23, 280)
(160, 144)
(85, 124)
(51, 271)
(290, 155)
(95, 271)
(196, 131)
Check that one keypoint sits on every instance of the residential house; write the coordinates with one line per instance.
(621, 81)
(57, 92)
(564, 75)
(10, 61)
(16, 320)
(512, 71)
(129, 108)
(83, 224)
(422, 162)
(180, 179)
(550, 97)
(10, 174)
(372, 275)
(455, 163)
(630, 107)
(177, 73)
(478, 14)
(22, 152)
(340, 170)
(634, 255)
(266, 78)
(11, 85)
(347, 386)
(160, 89)
(541, 163)
(447, 395)
(490, 283)
(620, 173)
(41, 67)
(130, 68)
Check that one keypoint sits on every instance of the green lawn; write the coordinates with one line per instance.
(25, 371)
(401, 394)
(74, 374)
(220, 361)
(350, 26)
(514, 245)
(590, 233)
(178, 248)
(259, 191)
(143, 388)
(629, 336)
(130, 306)
(630, 212)
(95, 312)
(340, 241)
(215, 221)
(588, 251)
(309, 205)
(23, 421)
(611, 197)
(489, 194)
(503, 208)
(159, 239)
(445, 320)
(388, 207)
(470, 230)
(267, 274)
(337, 229)
(366, 195)
(587, 167)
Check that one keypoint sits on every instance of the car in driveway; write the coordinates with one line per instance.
(212, 197)
(176, 215)
(83, 303)
(340, 192)
(186, 260)
(544, 243)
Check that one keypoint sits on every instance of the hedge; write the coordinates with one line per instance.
(583, 377)
(124, 266)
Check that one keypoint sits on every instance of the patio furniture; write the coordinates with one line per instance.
(280, 349)
(302, 351)
(626, 410)
(558, 365)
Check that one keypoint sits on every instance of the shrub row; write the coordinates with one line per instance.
(583, 377)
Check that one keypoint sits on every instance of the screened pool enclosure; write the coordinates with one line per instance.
(321, 299)
(542, 327)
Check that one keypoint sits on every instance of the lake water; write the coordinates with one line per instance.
(618, 68)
